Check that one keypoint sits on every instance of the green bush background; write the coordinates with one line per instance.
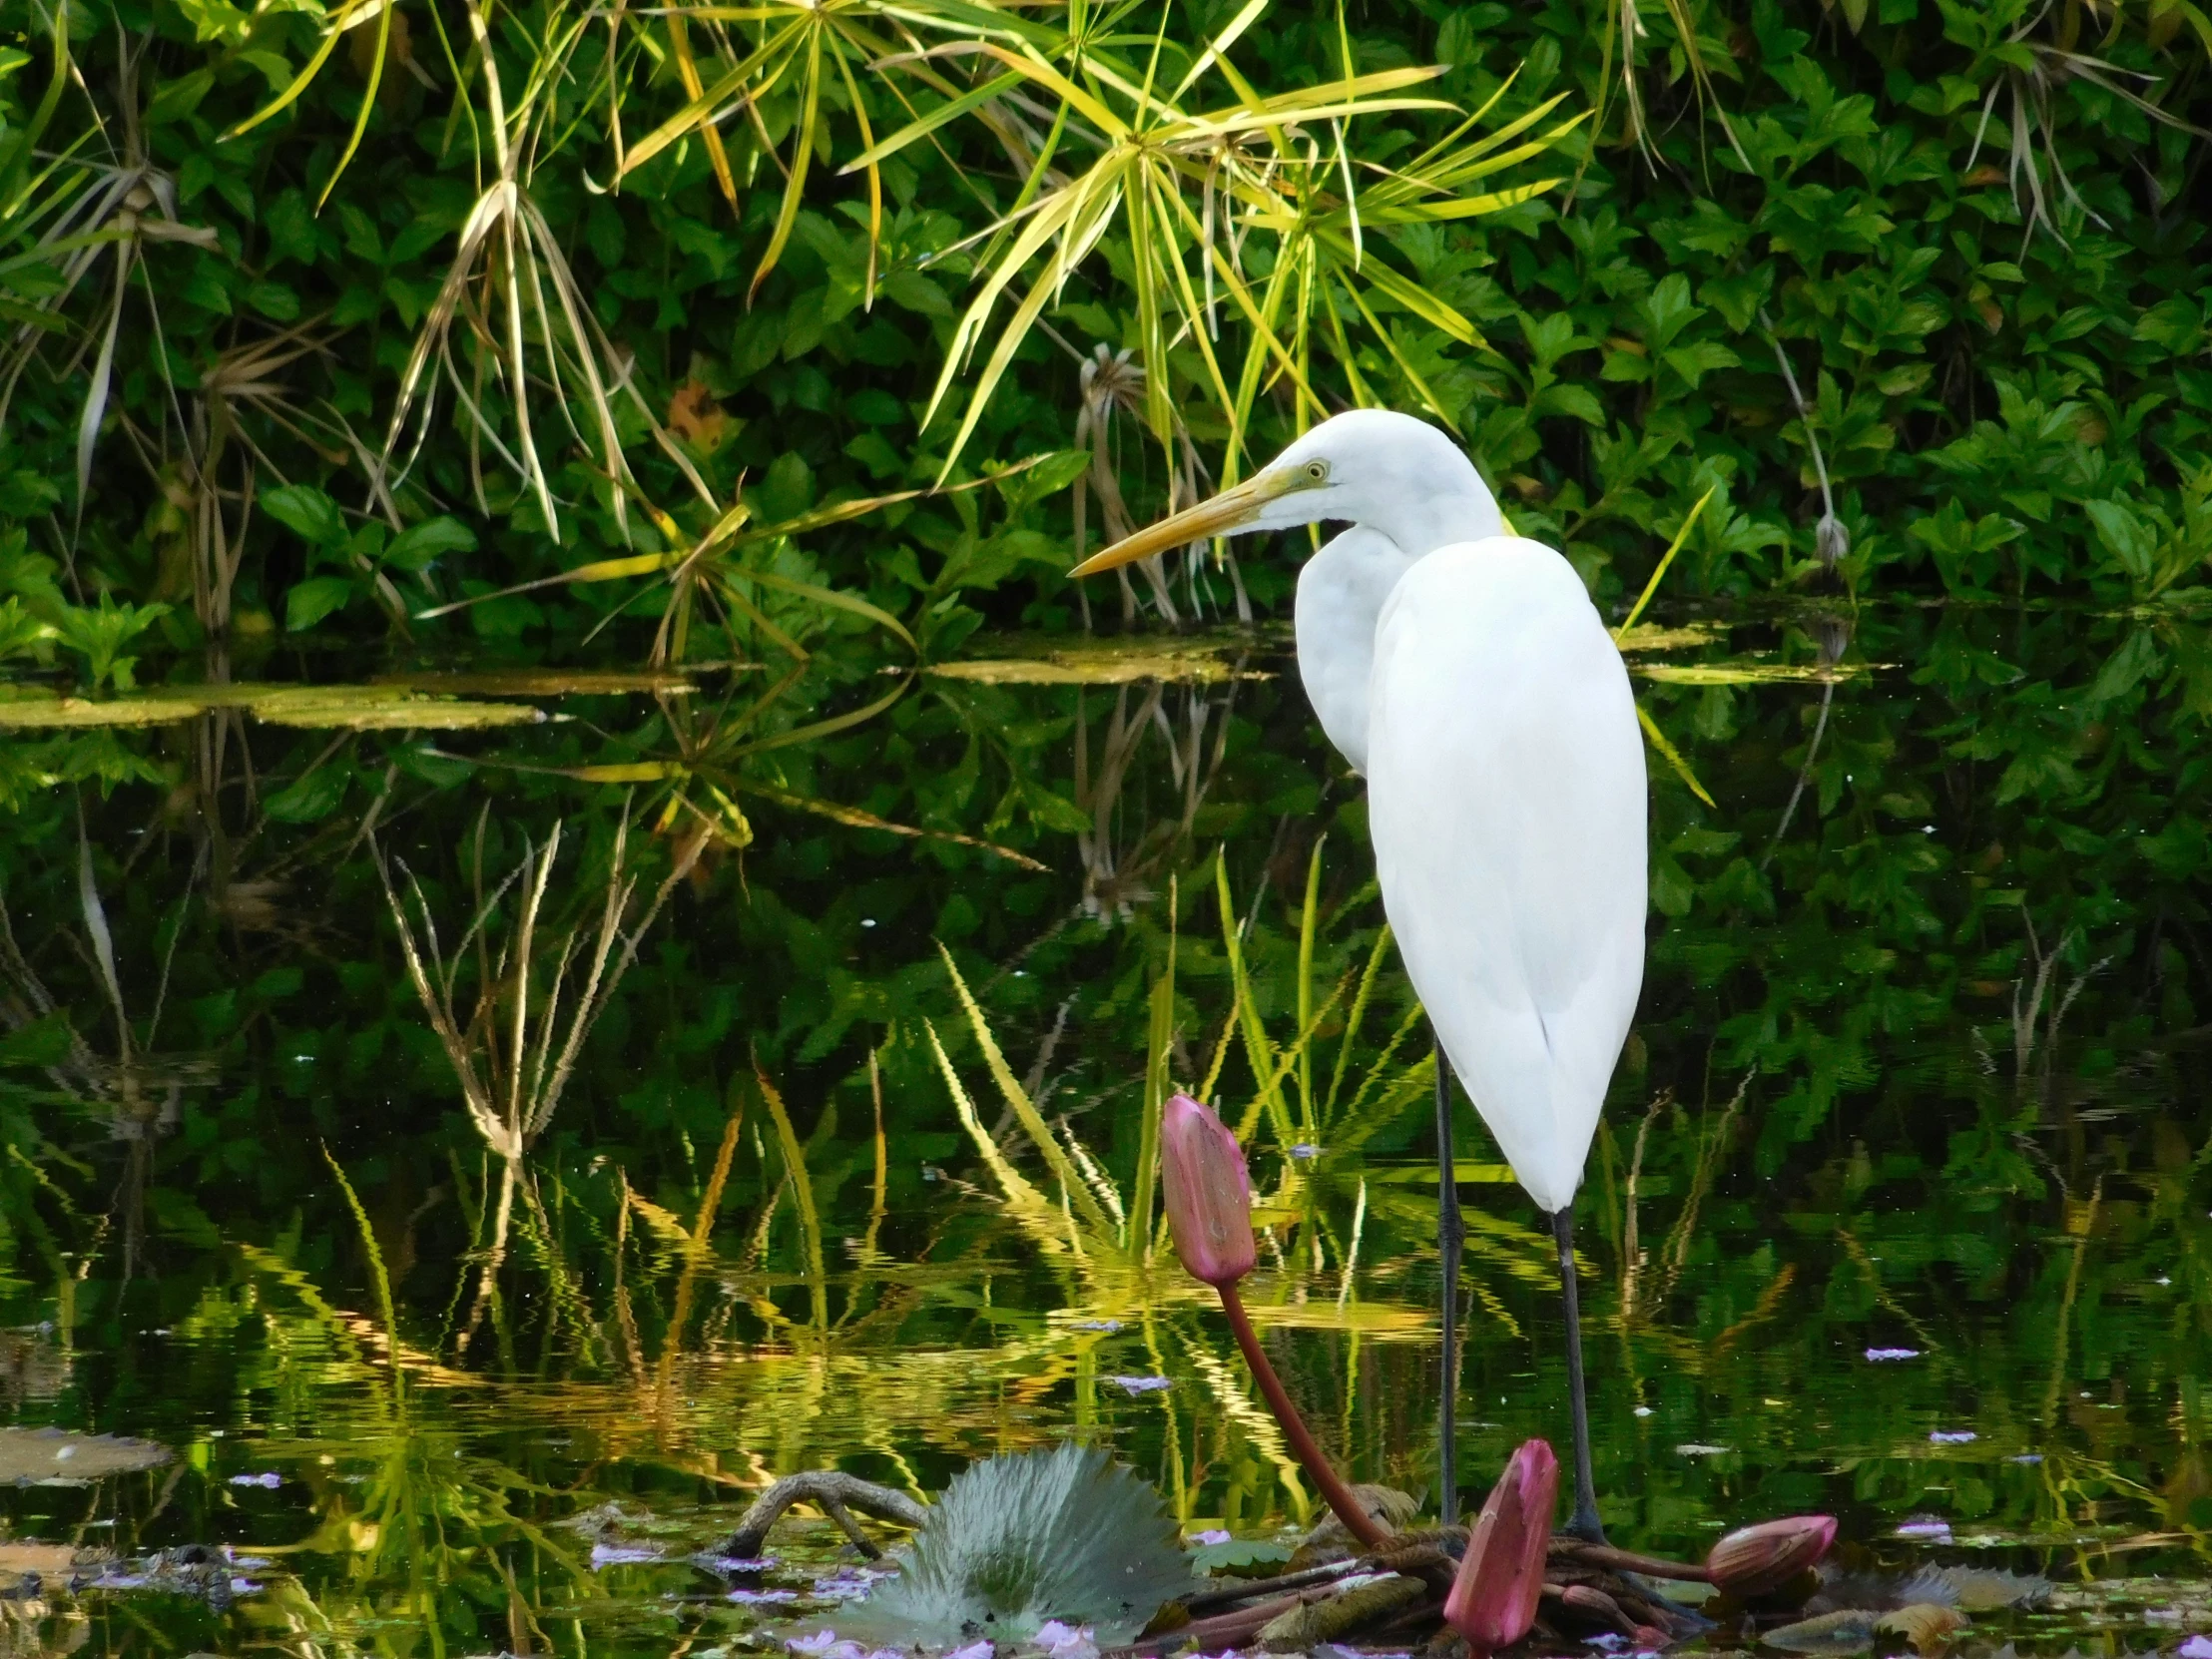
(2004, 363)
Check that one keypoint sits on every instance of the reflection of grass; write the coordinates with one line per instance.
(1321, 1096)
(425, 1540)
(534, 1001)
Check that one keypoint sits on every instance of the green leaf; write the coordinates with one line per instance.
(308, 798)
(1698, 359)
(306, 512)
(179, 98)
(2126, 536)
(215, 20)
(311, 601)
(1237, 1552)
(1578, 401)
(419, 545)
(274, 300)
(916, 293)
(1054, 811)
(1669, 311)
(2135, 661)
(43, 1042)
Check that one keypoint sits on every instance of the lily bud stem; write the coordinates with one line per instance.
(1348, 1509)
(1651, 1566)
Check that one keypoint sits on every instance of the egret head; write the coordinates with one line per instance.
(1374, 467)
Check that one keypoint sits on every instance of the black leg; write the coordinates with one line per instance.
(1451, 1238)
(1585, 1525)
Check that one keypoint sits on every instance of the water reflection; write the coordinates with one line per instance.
(1899, 1210)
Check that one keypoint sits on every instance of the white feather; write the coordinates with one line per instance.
(1341, 594)
(1468, 675)
(1506, 801)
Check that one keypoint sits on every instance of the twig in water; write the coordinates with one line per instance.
(837, 1494)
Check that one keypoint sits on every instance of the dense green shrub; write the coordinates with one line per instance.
(1973, 233)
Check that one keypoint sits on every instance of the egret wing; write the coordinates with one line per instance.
(1506, 801)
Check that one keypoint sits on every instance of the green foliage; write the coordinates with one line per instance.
(1919, 266)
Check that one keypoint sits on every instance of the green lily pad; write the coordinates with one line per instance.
(1232, 1554)
(1112, 662)
(349, 708)
(1065, 1534)
(1752, 674)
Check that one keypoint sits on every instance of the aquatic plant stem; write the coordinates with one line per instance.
(1651, 1566)
(1348, 1509)
(1585, 1523)
(1451, 1238)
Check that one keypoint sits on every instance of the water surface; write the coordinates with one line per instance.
(1898, 1211)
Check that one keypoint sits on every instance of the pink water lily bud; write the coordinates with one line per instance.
(1754, 1561)
(1493, 1600)
(1208, 1192)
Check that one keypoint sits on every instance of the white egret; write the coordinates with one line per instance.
(1468, 675)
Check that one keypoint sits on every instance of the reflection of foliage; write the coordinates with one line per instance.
(1894, 1172)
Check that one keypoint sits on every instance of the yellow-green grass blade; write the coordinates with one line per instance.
(1024, 1110)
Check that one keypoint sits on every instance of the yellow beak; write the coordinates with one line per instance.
(1234, 509)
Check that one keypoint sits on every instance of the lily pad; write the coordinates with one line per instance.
(1976, 1589)
(57, 1457)
(540, 682)
(1927, 1626)
(349, 708)
(1113, 663)
(1022, 1540)
(1229, 1554)
(1848, 1632)
(382, 707)
(1649, 636)
(39, 1558)
(22, 711)
(1752, 674)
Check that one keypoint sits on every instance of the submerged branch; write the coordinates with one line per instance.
(835, 1493)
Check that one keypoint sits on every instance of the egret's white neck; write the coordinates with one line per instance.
(1341, 590)
(1451, 509)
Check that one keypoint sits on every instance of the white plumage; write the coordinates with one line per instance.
(1468, 675)
(1505, 797)
(1341, 593)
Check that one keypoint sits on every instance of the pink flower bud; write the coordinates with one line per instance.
(1493, 1600)
(1209, 1195)
(1754, 1561)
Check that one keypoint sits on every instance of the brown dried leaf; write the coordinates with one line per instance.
(1927, 1626)
(694, 416)
(56, 1457)
(39, 1558)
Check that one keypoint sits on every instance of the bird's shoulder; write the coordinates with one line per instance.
(1505, 582)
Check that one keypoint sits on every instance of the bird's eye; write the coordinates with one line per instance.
(1316, 472)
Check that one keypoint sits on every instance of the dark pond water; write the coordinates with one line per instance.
(1899, 1210)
